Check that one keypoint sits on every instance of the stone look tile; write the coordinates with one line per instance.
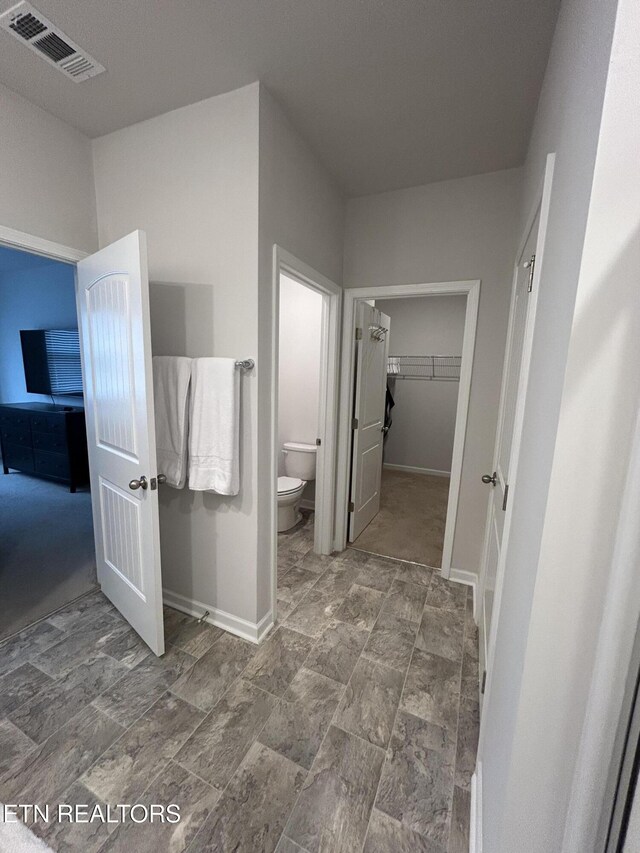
(314, 613)
(337, 580)
(459, 836)
(13, 744)
(286, 845)
(284, 608)
(299, 723)
(415, 573)
(122, 773)
(59, 701)
(387, 835)
(21, 685)
(369, 704)
(278, 659)
(352, 557)
(253, 810)
(204, 684)
(391, 641)
(193, 637)
(468, 730)
(406, 600)
(27, 644)
(135, 692)
(82, 611)
(127, 649)
(218, 745)
(45, 772)
(448, 595)
(361, 606)
(65, 836)
(176, 785)
(333, 808)
(296, 583)
(377, 573)
(432, 689)
(441, 633)
(317, 563)
(470, 685)
(336, 652)
(416, 786)
(75, 647)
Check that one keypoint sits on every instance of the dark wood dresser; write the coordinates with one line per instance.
(46, 440)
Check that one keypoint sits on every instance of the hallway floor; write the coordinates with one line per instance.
(412, 518)
(352, 727)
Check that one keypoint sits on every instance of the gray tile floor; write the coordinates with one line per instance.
(352, 727)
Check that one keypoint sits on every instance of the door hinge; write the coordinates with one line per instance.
(351, 507)
(530, 265)
(318, 442)
(484, 681)
(504, 499)
(358, 334)
(354, 423)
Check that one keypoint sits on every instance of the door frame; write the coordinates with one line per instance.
(290, 265)
(39, 246)
(471, 290)
(542, 204)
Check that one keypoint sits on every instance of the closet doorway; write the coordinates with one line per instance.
(407, 358)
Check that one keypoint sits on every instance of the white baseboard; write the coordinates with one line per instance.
(475, 821)
(252, 631)
(413, 470)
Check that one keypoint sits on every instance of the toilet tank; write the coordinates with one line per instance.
(300, 460)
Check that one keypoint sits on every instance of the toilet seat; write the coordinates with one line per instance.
(287, 485)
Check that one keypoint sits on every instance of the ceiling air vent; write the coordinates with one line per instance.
(33, 30)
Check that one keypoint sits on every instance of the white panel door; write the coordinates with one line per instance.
(113, 306)
(369, 402)
(504, 462)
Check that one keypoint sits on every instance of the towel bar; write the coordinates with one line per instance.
(246, 364)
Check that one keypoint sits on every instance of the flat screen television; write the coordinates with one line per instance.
(52, 361)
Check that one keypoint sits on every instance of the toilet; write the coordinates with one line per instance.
(300, 467)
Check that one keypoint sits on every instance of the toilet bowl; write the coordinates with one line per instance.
(300, 467)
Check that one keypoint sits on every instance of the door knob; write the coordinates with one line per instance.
(162, 478)
(139, 484)
(490, 478)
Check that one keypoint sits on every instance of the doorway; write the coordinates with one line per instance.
(424, 337)
(355, 491)
(47, 550)
(305, 348)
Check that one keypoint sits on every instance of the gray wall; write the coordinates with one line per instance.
(542, 661)
(302, 211)
(463, 229)
(424, 415)
(46, 180)
(190, 180)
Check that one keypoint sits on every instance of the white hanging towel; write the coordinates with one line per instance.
(171, 381)
(214, 430)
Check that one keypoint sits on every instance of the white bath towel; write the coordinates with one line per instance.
(171, 382)
(214, 429)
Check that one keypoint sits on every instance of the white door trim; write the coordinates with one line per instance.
(285, 262)
(470, 289)
(542, 204)
(39, 246)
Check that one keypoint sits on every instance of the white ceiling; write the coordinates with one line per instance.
(389, 93)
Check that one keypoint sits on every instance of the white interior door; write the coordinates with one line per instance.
(372, 350)
(504, 459)
(113, 306)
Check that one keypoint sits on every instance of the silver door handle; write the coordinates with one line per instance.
(142, 483)
(162, 478)
(490, 478)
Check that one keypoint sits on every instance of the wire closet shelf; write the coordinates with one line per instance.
(436, 367)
